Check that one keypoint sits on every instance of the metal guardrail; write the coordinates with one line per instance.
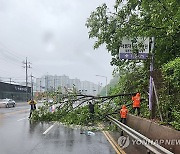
(152, 146)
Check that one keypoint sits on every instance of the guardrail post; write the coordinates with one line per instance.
(148, 152)
(121, 132)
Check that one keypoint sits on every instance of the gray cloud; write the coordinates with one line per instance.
(52, 34)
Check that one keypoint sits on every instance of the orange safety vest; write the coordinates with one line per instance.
(136, 100)
(123, 112)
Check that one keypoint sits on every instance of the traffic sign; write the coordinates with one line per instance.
(133, 56)
(128, 46)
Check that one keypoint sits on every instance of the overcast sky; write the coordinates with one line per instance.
(53, 36)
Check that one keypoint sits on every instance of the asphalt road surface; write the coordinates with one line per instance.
(18, 135)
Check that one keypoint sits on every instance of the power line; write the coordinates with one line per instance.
(11, 52)
(9, 60)
(10, 56)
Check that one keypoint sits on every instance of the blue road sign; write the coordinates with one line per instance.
(133, 56)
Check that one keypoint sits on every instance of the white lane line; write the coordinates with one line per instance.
(22, 119)
(49, 129)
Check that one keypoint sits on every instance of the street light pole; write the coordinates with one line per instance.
(106, 81)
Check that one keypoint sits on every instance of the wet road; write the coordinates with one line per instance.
(18, 135)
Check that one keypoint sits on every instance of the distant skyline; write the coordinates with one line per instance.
(51, 83)
(11, 80)
(53, 37)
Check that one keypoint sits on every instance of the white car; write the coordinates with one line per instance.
(7, 103)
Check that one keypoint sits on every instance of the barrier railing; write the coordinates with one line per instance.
(152, 146)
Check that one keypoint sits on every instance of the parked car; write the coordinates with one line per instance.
(7, 103)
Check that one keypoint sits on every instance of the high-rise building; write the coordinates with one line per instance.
(51, 83)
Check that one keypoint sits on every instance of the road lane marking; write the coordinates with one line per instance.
(49, 129)
(22, 119)
(116, 147)
(117, 151)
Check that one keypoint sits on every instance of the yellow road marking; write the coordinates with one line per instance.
(121, 151)
(116, 147)
(117, 151)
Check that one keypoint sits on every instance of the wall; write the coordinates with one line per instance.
(155, 131)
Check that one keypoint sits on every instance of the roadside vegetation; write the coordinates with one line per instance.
(72, 108)
(134, 18)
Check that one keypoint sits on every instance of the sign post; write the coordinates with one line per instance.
(135, 49)
(151, 105)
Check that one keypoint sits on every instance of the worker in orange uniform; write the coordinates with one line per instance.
(136, 103)
(123, 113)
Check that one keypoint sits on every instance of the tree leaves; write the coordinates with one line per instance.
(134, 18)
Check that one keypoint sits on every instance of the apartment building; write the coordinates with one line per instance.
(51, 83)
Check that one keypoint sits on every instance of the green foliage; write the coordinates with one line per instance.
(112, 83)
(171, 72)
(176, 122)
(77, 116)
(148, 18)
(132, 81)
(169, 93)
(134, 18)
(112, 127)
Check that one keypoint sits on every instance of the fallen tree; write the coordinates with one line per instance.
(72, 108)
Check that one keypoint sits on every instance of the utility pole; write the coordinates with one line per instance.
(27, 65)
(40, 85)
(47, 98)
(47, 83)
(54, 84)
(31, 87)
(10, 80)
